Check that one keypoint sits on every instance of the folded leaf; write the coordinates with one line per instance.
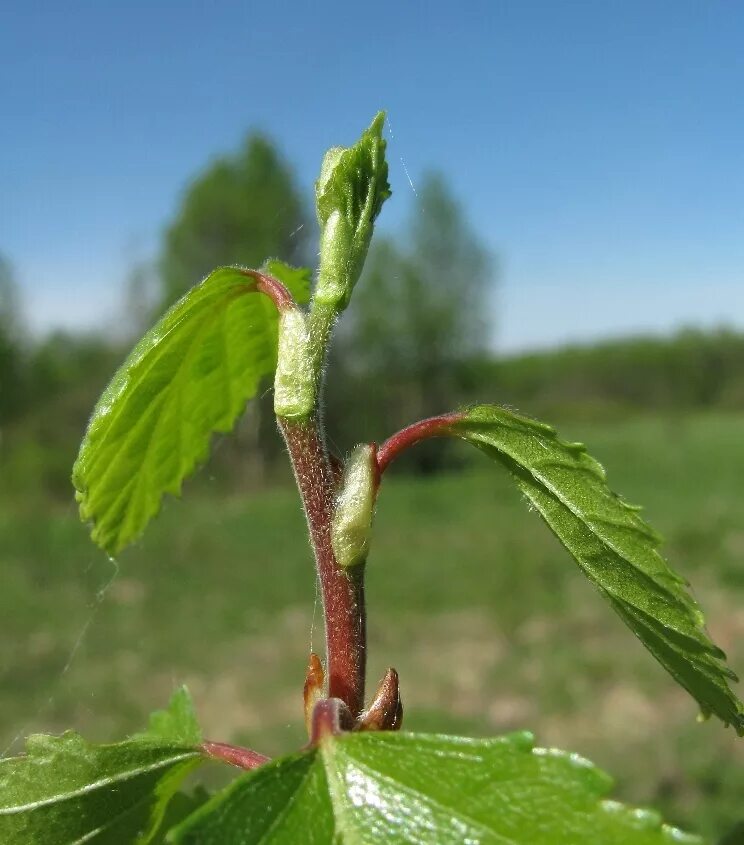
(371, 788)
(349, 194)
(188, 377)
(67, 791)
(614, 547)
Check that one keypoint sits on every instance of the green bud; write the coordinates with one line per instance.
(294, 380)
(333, 278)
(349, 195)
(327, 168)
(352, 518)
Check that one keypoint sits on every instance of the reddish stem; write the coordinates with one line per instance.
(413, 434)
(330, 717)
(342, 591)
(273, 288)
(243, 758)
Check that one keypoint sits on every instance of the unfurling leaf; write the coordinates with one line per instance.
(188, 377)
(614, 547)
(66, 790)
(349, 194)
(368, 788)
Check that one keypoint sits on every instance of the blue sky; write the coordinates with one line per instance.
(598, 147)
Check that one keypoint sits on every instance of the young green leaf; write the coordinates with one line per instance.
(371, 788)
(614, 547)
(66, 790)
(188, 377)
(177, 724)
(349, 194)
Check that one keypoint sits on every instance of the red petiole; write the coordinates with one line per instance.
(413, 434)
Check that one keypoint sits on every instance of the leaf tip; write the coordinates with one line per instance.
(177, 723)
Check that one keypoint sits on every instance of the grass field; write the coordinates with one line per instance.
(490, 625)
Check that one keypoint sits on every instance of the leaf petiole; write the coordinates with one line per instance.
(413, 434)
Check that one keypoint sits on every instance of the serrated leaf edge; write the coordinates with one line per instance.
(119, 384)
(645, 820)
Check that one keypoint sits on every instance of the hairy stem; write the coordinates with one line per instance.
(342, 591)
(317, 478)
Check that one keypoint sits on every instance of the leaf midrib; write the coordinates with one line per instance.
(99, 784)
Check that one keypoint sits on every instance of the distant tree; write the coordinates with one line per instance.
(64, 375)
(12, 387)
(419, 314)
(242, 209)
(9, 305)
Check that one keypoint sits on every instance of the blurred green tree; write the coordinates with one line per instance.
(47, 387)
(64, 375)
(242, 209)
(424, 308)
(12, 383)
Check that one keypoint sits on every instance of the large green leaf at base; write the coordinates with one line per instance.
(188, 377)
(374, 788)
(614, 547)
(66, 791)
